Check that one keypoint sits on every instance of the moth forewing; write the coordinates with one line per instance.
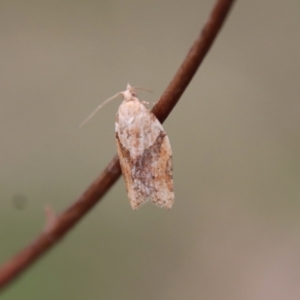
(145, 154)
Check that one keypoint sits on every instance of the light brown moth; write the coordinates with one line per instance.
(145, 153)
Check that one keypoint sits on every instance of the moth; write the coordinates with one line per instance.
(145, 153)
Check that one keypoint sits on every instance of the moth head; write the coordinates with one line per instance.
(129, 93)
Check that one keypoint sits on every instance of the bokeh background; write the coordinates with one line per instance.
(234, 230)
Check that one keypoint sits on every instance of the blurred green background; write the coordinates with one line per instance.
(233, 232)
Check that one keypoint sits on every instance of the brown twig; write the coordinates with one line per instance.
(64, 222)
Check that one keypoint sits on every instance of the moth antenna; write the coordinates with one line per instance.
(134, 88)
(142, 89)
(98, 108)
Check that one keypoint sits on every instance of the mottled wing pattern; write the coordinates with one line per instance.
(161, 168)
(126, 166)
(145, 156)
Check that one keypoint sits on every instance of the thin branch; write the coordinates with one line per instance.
(68, 219)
